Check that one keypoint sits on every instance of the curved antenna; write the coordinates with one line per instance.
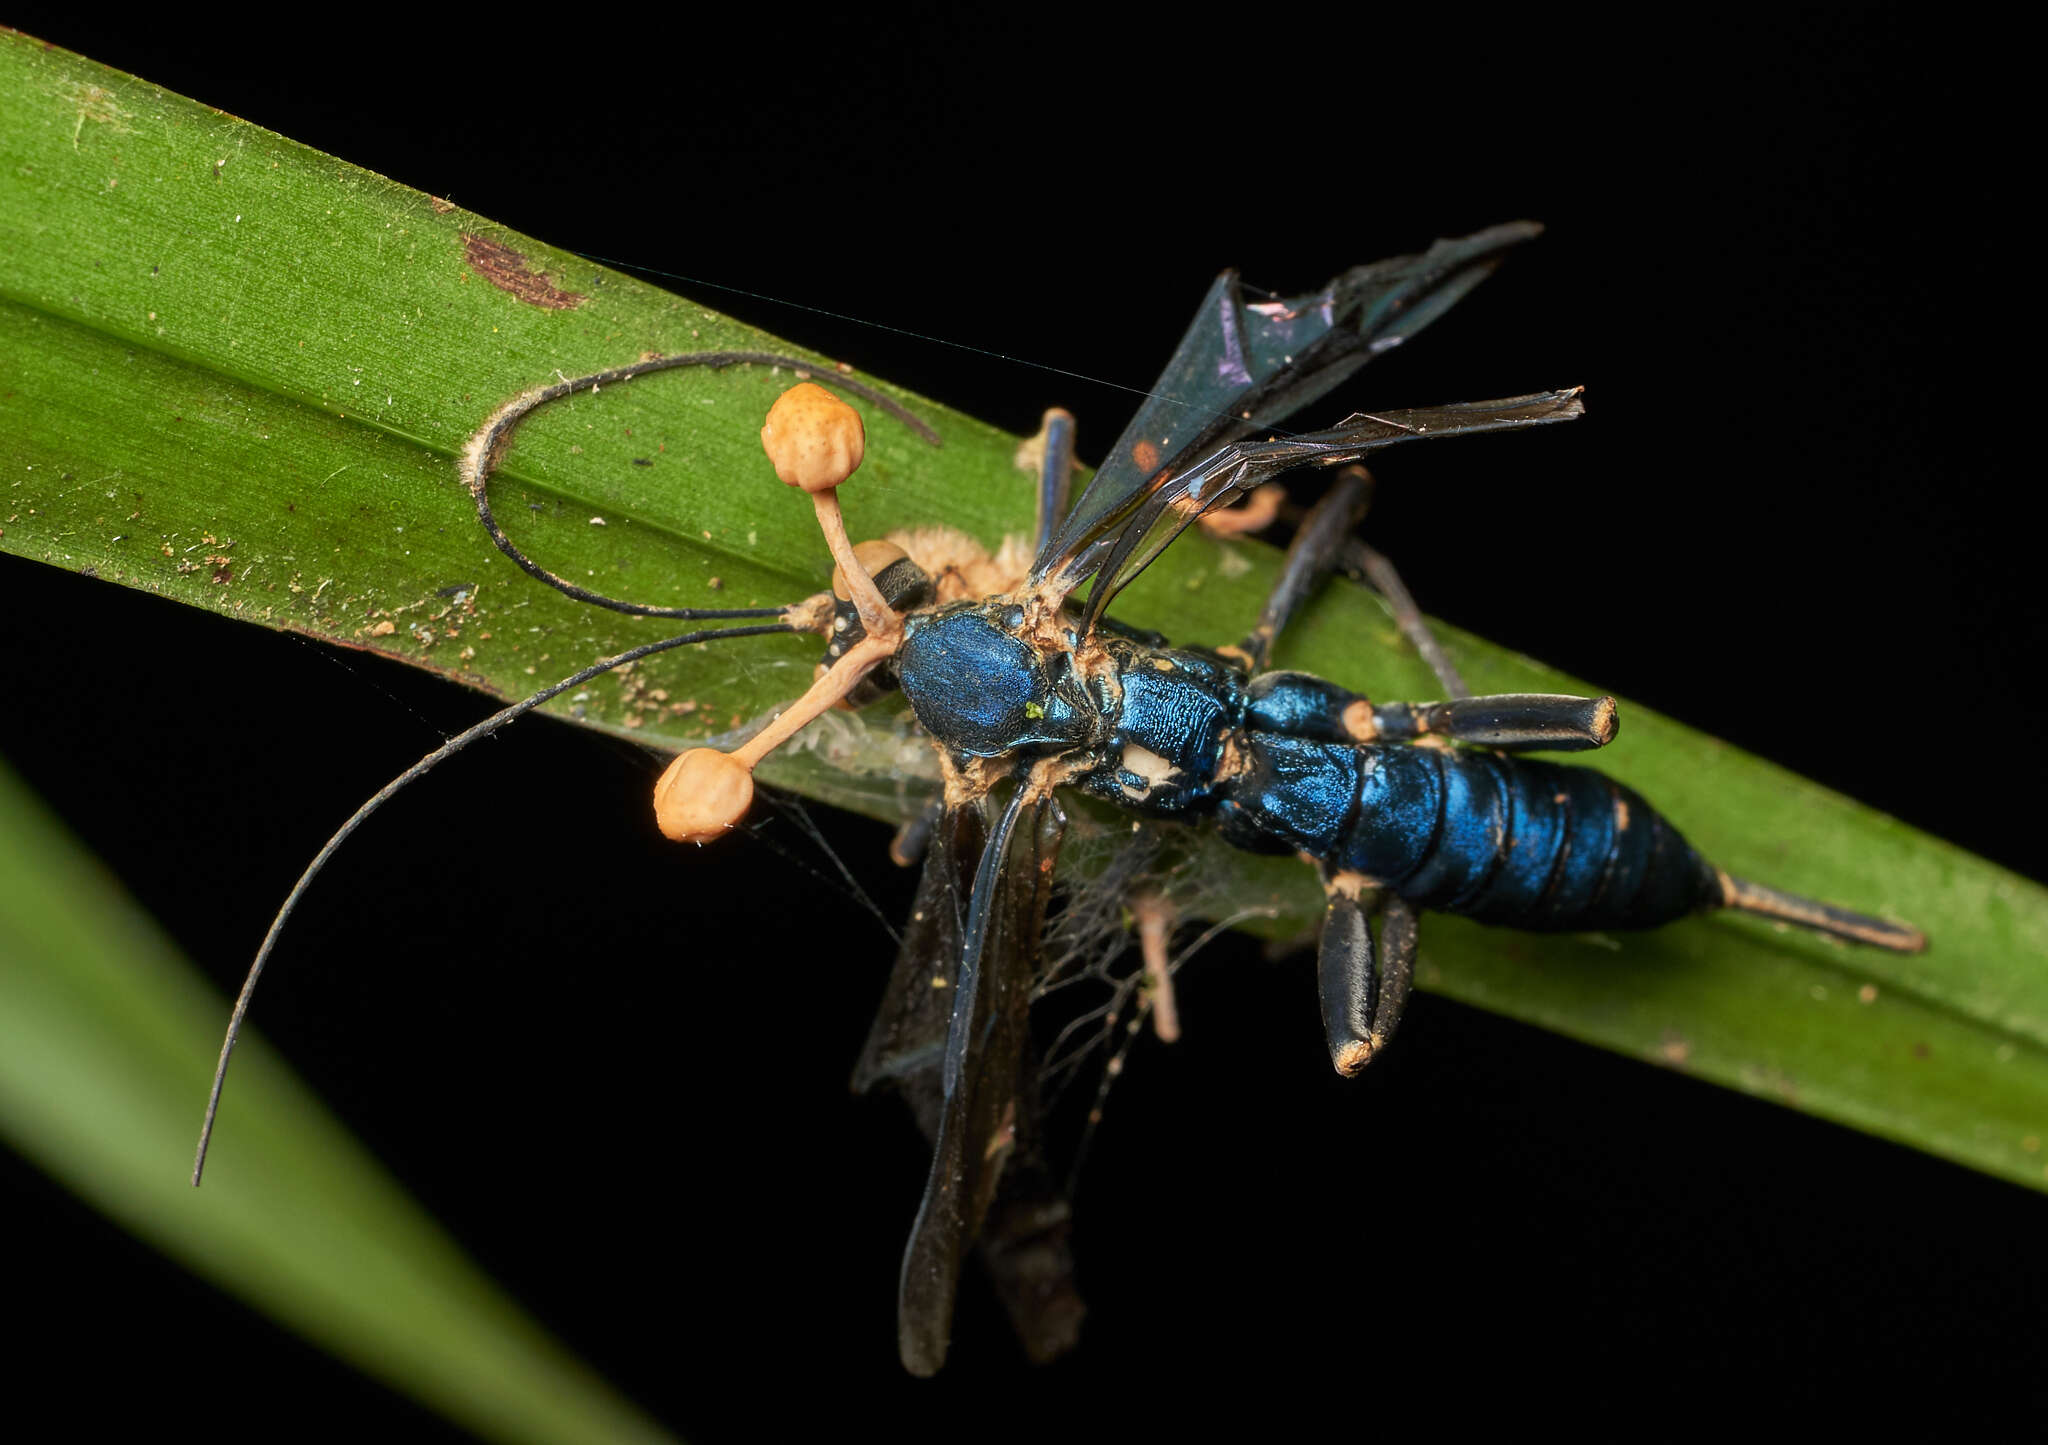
(448, 749)
(486, 448)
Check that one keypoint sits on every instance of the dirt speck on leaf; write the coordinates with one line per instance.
(507, 270)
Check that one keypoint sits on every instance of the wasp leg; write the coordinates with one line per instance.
(1055, 445)
(906, 849)
(1258, 511)
(1323, 545)
(1155, 931)
(1510, 721)
(1364, 986)
(1373, 568)
(1302, 705)
(1310, 560)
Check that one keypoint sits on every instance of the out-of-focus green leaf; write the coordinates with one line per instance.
(104, 1049)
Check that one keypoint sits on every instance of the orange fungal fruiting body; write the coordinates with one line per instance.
(702, 795)
(814, 439)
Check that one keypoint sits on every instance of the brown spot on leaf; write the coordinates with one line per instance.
(507, 270)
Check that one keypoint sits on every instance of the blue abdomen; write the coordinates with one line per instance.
(1502, 839)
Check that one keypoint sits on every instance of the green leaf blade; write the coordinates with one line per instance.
(104, 1058)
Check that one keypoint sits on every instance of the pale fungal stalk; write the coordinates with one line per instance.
(815, 442)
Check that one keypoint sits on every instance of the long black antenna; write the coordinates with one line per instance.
(447, 750)
(487, 447)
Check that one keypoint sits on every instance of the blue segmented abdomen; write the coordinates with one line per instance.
(1503, 839)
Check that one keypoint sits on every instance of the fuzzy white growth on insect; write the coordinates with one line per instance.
(1148, 768)
(962, 569)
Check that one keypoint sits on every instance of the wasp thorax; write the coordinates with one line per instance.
(702, 795)
(814, 439)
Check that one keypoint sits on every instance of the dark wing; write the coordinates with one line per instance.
(1243, 367)
(908, 1038)
(1215, 479)
(954, 1037)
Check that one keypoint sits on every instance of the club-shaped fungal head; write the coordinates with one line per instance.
(702, 796)
(814, 439)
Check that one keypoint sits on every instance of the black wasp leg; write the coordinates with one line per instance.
(1398, 938)
(1509, 721)
(1347, 979)
(1364, 985)
(1323, 545)
(1310, 560)
(1373, 568)
(906, 849)
(1055, 443)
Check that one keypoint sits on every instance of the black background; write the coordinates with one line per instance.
(1778, 258)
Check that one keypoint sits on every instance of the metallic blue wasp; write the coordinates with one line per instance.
(1027, 690)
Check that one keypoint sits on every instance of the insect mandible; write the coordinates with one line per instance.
(1028, 691)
